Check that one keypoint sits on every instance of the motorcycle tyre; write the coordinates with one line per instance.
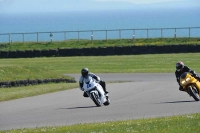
(95, 100)
(193, 93)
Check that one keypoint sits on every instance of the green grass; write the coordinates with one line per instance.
(32, 68)
(27, 91)
(174, 124)
(96, 43)
(40, 68)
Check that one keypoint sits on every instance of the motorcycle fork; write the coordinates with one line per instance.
(196, 88)
(192, 85)
(88, 92)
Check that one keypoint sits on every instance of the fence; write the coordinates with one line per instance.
(100, 34)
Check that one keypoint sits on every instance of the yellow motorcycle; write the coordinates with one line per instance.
(190, 85)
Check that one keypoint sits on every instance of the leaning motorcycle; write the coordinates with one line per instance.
(95, 91)
(190, 85)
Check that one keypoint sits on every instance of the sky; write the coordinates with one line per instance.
(29, 6)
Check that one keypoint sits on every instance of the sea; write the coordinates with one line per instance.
(113, 24)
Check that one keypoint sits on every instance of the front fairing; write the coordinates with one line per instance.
(186, 79)
(89, 84)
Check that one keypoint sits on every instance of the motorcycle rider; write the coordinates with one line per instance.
(84, 73)
(180, 69)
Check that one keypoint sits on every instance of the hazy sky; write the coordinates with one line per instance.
(27, 6)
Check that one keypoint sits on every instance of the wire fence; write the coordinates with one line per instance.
(100, 34)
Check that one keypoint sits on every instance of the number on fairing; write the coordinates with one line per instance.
(89, 85)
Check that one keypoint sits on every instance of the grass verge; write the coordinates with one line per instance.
(96, 43)
(174, 124)
(27, 91)
(55, 67)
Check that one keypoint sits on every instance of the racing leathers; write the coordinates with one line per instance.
(98, 80)
(185, 69)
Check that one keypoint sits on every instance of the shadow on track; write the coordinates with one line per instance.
(79, 107)
(179, 102)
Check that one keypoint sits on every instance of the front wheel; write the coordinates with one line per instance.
(194, 93)
(96, 99)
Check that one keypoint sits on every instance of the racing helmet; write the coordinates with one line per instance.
(84, 72)
(179, 65)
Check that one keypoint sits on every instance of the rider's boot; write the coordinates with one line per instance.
(103, 84)
(105, 91)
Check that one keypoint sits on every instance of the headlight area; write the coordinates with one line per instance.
(185, 81)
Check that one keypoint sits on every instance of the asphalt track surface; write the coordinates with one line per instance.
(141, 96)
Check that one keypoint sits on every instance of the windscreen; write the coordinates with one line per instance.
(87, 79)
(183, 75)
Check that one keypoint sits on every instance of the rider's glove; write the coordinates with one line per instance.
(97, 81)
(181, 88)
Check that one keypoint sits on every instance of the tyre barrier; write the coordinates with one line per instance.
(28, 53)
(53, 52)
(6, 84)
(197, 48)
(102, 51)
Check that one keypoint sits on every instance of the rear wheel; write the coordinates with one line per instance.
(96, 99)
(193, 92)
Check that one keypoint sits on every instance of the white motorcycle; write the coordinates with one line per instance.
(95, 91)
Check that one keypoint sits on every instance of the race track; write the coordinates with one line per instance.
(141, 96)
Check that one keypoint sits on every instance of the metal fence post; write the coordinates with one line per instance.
(78, 35)
(106, 35)
(65, 35)
(92, 37)
(134, 32)
(23, 37)
(51, 35)
(120, 34)
(189, 32)
(133, 38)
(147, 33)
(175, 33)
(9, 38)
(37, 37)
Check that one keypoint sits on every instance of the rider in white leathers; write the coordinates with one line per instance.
(84, 73)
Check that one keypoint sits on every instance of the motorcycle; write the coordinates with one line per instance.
(95, 91)
(190, 85)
